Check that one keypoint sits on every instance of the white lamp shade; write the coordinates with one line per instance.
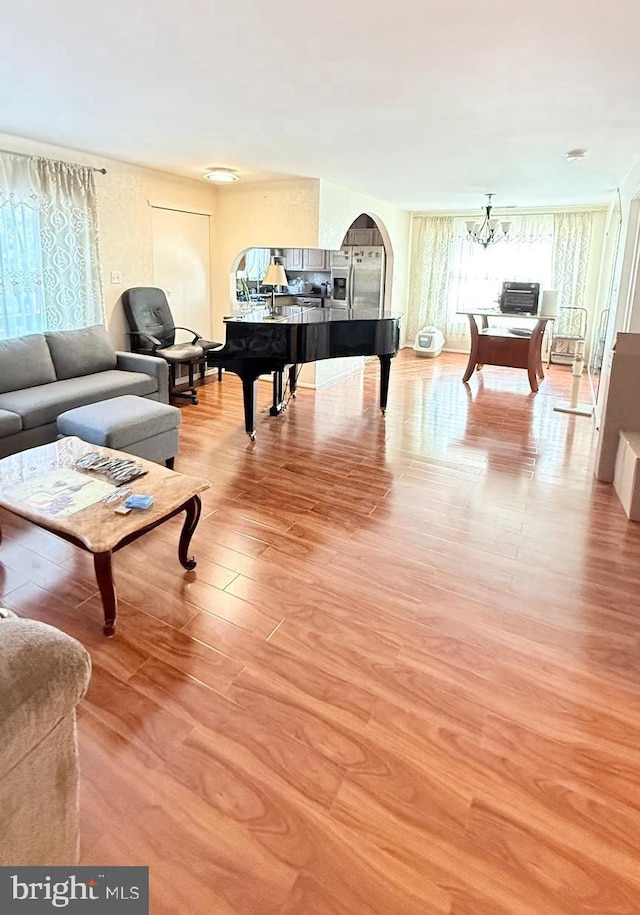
(275, 276)
(549, 307)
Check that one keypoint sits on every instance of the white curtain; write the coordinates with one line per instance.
(571, 244)
(49, 267)
(429, 273)
(256, 262)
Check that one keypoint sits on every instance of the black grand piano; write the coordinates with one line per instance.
(278, 341)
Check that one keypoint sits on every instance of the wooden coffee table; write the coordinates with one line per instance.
(42, 485)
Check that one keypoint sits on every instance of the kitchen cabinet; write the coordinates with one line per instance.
(293, 259)
(307, 259)
(313, 259)
(364, 238)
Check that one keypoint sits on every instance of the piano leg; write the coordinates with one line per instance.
(249, 370)
(385, 371)
(293, 380)
(278, 405)
(250, 397)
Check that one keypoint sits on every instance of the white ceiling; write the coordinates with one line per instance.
(427, 104)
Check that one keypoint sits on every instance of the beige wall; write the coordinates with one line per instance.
(124, 217)
(270, 214)
(339, 206)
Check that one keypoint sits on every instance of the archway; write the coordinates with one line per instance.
(368, 232)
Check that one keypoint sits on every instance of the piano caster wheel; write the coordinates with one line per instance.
(384, 412)
(252, 436)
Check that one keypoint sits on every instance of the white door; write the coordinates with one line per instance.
(181, 266)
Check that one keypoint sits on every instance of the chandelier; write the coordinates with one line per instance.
(486, 232)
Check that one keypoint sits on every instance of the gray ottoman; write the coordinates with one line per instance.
(142, 427)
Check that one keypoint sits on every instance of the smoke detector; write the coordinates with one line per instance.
(575, 154)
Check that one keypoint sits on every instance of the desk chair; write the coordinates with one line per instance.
(153, 333)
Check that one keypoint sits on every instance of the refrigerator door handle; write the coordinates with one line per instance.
(350, 293)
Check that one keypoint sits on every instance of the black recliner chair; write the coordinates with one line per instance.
(153, 333)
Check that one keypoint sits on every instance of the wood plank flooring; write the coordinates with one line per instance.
(404, 678)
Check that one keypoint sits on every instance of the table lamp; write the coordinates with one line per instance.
(275, 276)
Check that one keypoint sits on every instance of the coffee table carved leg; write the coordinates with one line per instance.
(104, 577)
(192, 516)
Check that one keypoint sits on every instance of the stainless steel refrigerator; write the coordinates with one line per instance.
(357, 277)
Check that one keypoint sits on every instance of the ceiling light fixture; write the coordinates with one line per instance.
(575, 154)
(221, 175)
(486, 232)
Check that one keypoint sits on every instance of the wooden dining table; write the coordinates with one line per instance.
(515, 347)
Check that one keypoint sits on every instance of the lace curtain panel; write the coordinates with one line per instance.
(449, 273)
(49, 267)
(571, 244)
(432, 237)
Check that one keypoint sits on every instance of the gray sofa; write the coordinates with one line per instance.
(44, 375)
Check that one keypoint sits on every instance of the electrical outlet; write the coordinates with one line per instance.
(116, 278)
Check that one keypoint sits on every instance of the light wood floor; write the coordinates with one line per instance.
(404, 678)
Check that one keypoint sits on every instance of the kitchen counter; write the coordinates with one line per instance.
(294, 298)
(309, 299)
(315, 298)
(298, 314)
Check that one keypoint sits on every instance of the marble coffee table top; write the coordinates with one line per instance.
(42, 485)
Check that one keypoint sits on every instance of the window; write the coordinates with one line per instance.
(476, 274)
(49, 273)
(21, 286)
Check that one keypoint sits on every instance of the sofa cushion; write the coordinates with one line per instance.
(26, 362)
(9, 423)
(43, 404)
(80, 352)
